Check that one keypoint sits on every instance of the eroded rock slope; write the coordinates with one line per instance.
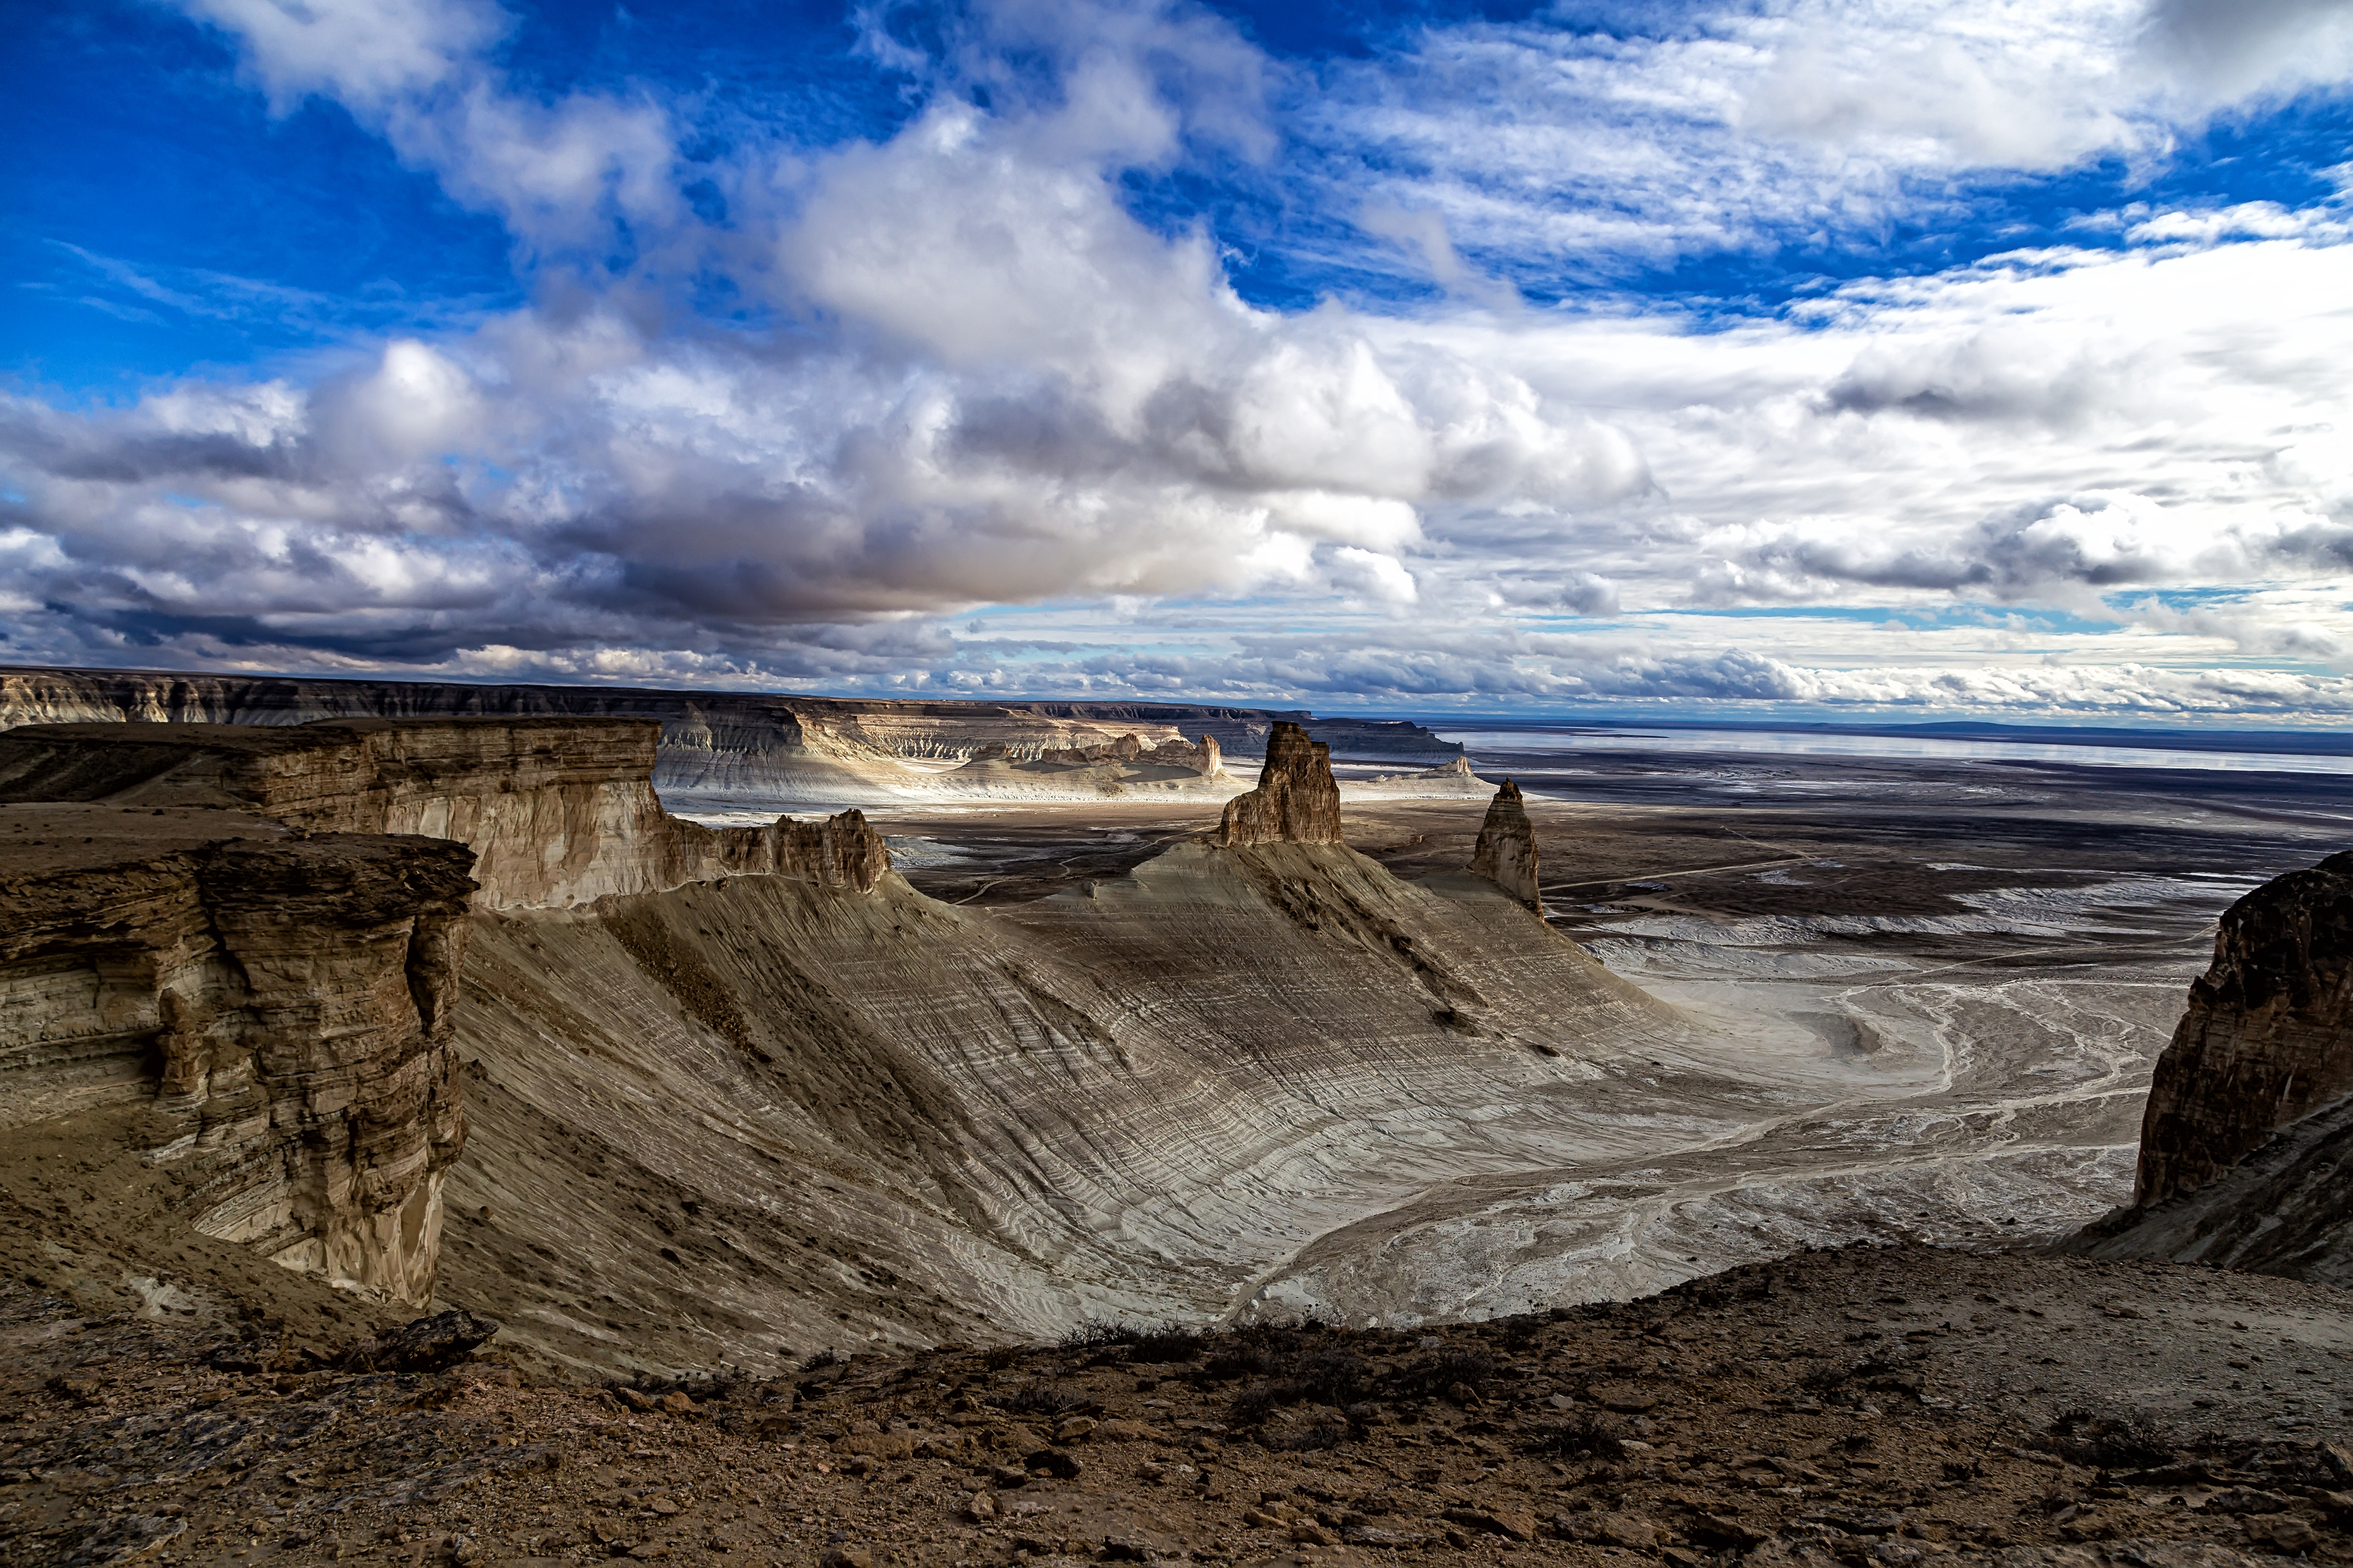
(2246, 1153)
(557, 811)
(741, 1093)
(265, 1014)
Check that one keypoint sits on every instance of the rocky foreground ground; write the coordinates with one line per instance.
(1865, 1406)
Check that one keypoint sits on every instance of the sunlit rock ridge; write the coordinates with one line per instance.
(739, 750)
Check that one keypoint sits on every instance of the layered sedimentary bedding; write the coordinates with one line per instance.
(557, 811)
(1296, 800)
(1505, 853)
(278, 1005)
(1127, 766)
(2246, 1153)
(751, 1078)
(724, 750)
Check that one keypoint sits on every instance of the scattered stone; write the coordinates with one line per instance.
(1625, 1398)
(1053, 1462)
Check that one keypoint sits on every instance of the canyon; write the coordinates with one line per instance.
(730, 1089)
(313, 1025)
(722, 752)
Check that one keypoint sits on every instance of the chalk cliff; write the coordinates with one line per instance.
(742, 1116)
(1297, 801)
(718, 750)
(2268, 1035)
(282, 1002)
(1506, 851)
(558, 811)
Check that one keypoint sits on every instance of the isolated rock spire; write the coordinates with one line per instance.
(2268, 1035)
(1506, 851)
(1297, 800)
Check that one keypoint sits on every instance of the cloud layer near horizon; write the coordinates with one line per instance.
(969, 423)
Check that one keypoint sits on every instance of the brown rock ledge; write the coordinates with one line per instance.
(1297, 801)
(2268, 1035)
(1506, 851)
(283, 1000)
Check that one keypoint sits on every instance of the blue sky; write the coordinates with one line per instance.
(1902, 358)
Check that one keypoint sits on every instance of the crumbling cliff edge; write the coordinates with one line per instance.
(2244, 1154)
(558, 812)
(253, 937)
(281, 1004)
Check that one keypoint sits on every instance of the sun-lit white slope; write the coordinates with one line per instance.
(894, 1116)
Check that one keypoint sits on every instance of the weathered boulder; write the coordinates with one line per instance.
(1297, 801)
(2268, 1035)
(283, 1001)
(1506, 851)
(425, 1344)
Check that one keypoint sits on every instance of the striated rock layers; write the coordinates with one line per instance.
(1506, 851)
(1126, 765)
(253, 934)
(1296, 800)
(716, 748)
(281, 1004)
(747, 1116)
(2268, 1036)
(559, 811)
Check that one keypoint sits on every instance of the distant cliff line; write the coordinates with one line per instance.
(698, 725)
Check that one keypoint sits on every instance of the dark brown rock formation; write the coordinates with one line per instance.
(1506, 851)
(559, 811)
(284, 1002)
(2268, 1036)
(1296, 802)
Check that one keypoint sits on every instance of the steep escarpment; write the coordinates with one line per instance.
(277, 1006)
(717, 749)
(1297, 801)
(2246, 1154)
(1505, 853)
(558, 811)
(2268, 1035)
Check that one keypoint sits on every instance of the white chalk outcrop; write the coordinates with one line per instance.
(558, 812)
(278, 1005)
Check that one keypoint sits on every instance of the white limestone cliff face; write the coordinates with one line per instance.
(719, 753)
(280, 1003)
(1125, 766)
(558, 812)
